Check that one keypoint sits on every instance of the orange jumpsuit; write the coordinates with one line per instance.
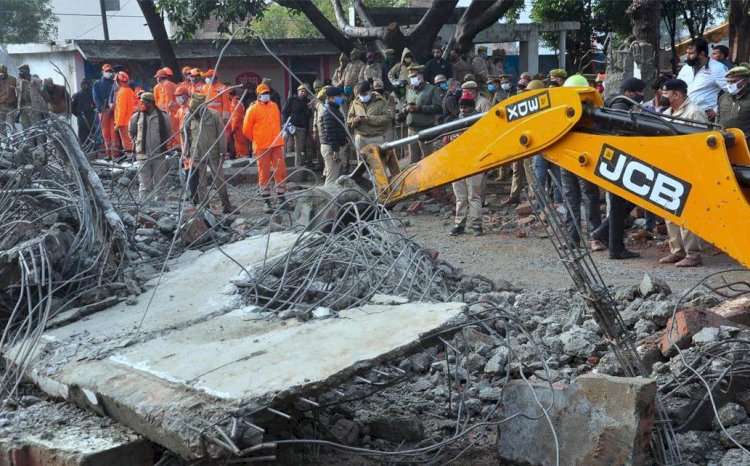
(262, 125)
(166, 102)
(182, 112)
(214, 101)
(237, 113)
(124, 108)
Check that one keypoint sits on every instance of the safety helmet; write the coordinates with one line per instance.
(577, 80)
(181, 90)
(123, 77)
(161, 74)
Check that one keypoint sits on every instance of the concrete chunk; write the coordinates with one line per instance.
(598, 419)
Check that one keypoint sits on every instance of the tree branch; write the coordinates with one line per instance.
(367, 21)
(156, 25)
(320, 22)
(355, 31)
(435, 18)
(480, 15)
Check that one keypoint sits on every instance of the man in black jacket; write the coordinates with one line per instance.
(83, 109)
(436, 66)
(297, 107)
(332, 134)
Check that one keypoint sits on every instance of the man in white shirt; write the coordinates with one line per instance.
(704, 77)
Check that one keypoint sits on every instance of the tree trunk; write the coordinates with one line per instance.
(739, 30)
(321, 23)
(159, 33)
(480, 15)
(645, 16)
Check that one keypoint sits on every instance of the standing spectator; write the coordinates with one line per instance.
(450, 101)
(611, 233)
(478, 64)
(8, 98)
(720, 53)
(557, 77)
(352, 72)
(165, 101)
(194, 81)
(378, 87)
(236, 115)
(83, 108)
(704, 77)
(684, 246)
(468, 191)
(124, 108)
(27, 114)
(504, 91)
(497, 63)
(523, 81)
(217, 98)
(734, 105)
(297, 110)
(422, 107)
(372, 70)
(206, 146)
(150, 130)
(275, 96)
(436, 66)
(659, 103)
(368, 117)
(389, 59)
(339, 74)
(262, 126)
(102, 96)
(481, 104)
(441, 82)
(400, 71)
(460, 67)
(332, 134)
(186, 75)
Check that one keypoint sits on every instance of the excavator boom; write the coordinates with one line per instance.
(693, 176)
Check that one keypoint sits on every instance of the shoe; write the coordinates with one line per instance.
(596, 246)
(510, 201)
(624, 254)
(267, 207)
(283, 204)
(457, 230)
(228, 209)
(477, 230)
(689, 262)
(671, 259)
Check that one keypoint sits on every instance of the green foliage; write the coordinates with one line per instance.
(24, 21)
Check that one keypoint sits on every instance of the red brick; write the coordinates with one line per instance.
(525, 221)
(415, 207)
(524, 210)
(687, 323)
(432, 253)
(592, 361)
(193, 228)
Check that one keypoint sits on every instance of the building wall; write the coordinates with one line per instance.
(81, 19)
(45, 60)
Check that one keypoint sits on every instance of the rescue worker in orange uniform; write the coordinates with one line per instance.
(236, 115)
(185, 73)
(194, 81)
(262, 125)
(165, 101)
(124, 107)
(217, 98)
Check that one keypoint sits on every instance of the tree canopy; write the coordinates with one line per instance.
(24, 21)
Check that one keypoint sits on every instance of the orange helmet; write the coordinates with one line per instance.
(210, 73)
(161, 74)
(195, 72)
(168, 70)
(185, 70)
(181, 90)
(123, 77)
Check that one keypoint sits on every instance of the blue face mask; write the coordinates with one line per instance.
(444, 86)
(338, 100)
(491, 87)
(365, 98)
(347, 89)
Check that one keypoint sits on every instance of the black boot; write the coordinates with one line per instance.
(283, 204)
(267, 207)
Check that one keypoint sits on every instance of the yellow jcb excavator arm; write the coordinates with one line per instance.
(691, 176)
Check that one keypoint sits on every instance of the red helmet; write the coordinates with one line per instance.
(210, 73)
(181, 90)
(161, 74)
(168, 70)
(123, 77)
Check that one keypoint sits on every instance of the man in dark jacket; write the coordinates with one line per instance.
(102, 94)
(332, 134)
(83, 109)
(436, 66)
(297, 108)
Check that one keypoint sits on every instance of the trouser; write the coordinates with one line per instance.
(332, 168)
(127, 142)
(362, 141)
(297, 142)
(520, 168)
(612, 230)
(271, 159)
(84, 128)
(468, 192)
(151, 174)
(216, 164)
(241, 145)
(541, 165)
(6, 114)
(576, 190)
(107, 123)
(418, 150)
(191, 180)
(683, 242)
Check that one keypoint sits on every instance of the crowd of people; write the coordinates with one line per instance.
(370, 102)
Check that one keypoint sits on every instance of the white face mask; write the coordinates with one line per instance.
(208, 80)
(181, 99)
(365, 98)
(264, 97)
(414, 80)
(505, 86)
(107, 75)
(734, 88)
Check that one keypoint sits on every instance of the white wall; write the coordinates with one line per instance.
(42, 59)
(81, 19)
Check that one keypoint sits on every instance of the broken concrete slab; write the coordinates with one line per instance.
(686, 323)
(598, 419)
(59, 434)
(202, 356)
(734, 310)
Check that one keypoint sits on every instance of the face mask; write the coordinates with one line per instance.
(347, 90)
(107, 75)
(365, 98)
(443, 86)
(663, 102)
(181, 99)
(414, 81)
(338, 100)
(638, 98)
(692, 61)
(491, 87)
(505, 86)
(208, 80)
(734, 88)
(264, 97)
